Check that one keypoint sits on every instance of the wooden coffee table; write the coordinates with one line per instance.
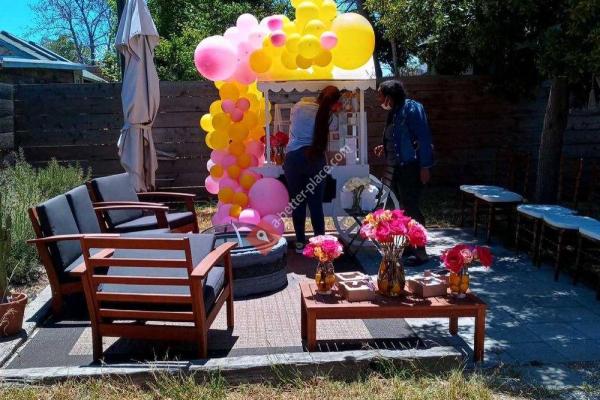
(333, 306)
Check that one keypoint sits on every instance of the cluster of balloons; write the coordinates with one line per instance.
(308, 47)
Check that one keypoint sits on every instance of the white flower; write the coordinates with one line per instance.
(354, 184)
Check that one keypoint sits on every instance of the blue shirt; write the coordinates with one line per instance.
(411, 135)
(302, 124)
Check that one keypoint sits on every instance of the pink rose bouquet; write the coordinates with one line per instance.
(462, 255)
(387, 226)
(324, 248)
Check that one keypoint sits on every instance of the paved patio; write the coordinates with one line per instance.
(531, 320)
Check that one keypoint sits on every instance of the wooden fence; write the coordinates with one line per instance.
(81, 123)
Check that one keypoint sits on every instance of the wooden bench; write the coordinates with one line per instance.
(315, 307)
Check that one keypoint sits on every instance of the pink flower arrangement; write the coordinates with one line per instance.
(383, 226)
(324, 248)
(462, 255)
(279, 139)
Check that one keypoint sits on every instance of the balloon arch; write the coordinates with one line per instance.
(310, 47)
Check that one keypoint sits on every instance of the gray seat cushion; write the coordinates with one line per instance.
(175, 220)
(83, 210)
(56, 218)
(200, 244)
(117, 188)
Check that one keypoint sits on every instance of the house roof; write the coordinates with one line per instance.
(18, 53)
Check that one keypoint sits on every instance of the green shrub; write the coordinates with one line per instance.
(22, 187)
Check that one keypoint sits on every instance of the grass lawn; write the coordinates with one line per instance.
(394, 384)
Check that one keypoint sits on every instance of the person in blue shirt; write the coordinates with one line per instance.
(305, 161)
(407, 146)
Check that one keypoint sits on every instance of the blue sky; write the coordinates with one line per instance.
(16, 17)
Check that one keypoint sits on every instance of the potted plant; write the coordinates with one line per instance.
(12, 305)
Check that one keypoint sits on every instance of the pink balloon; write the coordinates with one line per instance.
(228, 105)
(234, 35)
(244, 74)
(228, 160)
(215, 58)
(261, 160)
(236, 115)
(245, 49)
(217, 156)
(243, 104)
(278, 38)
(246, 22)
(328, 40)
(209, 164)
(253, 161)
(229, 183)
(276, 222)
(268, 196)
(256, 37)
(255, 148)
(249, 216)
(222, 216)
(211, 185)
(275, 22)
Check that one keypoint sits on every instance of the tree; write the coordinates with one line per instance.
(63, 45)
(86, 22)
(518, 42)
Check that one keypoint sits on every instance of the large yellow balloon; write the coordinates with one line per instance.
(289, 60)
(356, 41)
(229, 91)
(309, 46)
(260, 61)
(306, 11)
(238, 132)
(226, 195)
(328, 10)
(302, 62)
(323, 59)
(206, 123)
(291, 44)
(221, 121)
(216, 140)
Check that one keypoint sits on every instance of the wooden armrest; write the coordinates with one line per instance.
(204, 267)
(57, 238)
(135, 206)
(167, 194)
(78, 270)
(124, 203)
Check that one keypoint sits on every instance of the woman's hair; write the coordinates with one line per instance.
(395, 90)
(326, 100)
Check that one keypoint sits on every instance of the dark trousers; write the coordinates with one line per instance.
(301, 173)
(407, 185)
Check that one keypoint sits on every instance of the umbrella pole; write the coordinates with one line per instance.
(120, 8)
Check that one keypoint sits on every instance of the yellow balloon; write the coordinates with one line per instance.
(242, 89)
(216, 140)
(303, 63)
(215, 107)
(288, 60)
(229, 91)
(323, 59)
(314, 27)
(254, 103)
(309, 46)
(260, 61)
(247, 180)
(233, 171)
(226, 195)
(306, 11)
(206, 123)
(328, 10)
(221, 121)
(244, 161)
(292, 42)
(235, 211)
(218, 84)
(241, 199)
(237, 148)
(250, 120)
(289, 28)
(257, 133)
(216, 171)
(238, 132)
(356, 41)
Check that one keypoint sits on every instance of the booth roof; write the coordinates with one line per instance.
(362, 78)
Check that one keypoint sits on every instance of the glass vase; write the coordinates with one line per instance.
(325, 278)
(459, 283)
(390, 278)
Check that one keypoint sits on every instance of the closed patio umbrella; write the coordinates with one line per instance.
(140, 95)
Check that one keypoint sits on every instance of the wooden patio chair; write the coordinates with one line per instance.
(588, 253)
(116, 190)
(175, 283)
(530, 217)
(58, 225)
